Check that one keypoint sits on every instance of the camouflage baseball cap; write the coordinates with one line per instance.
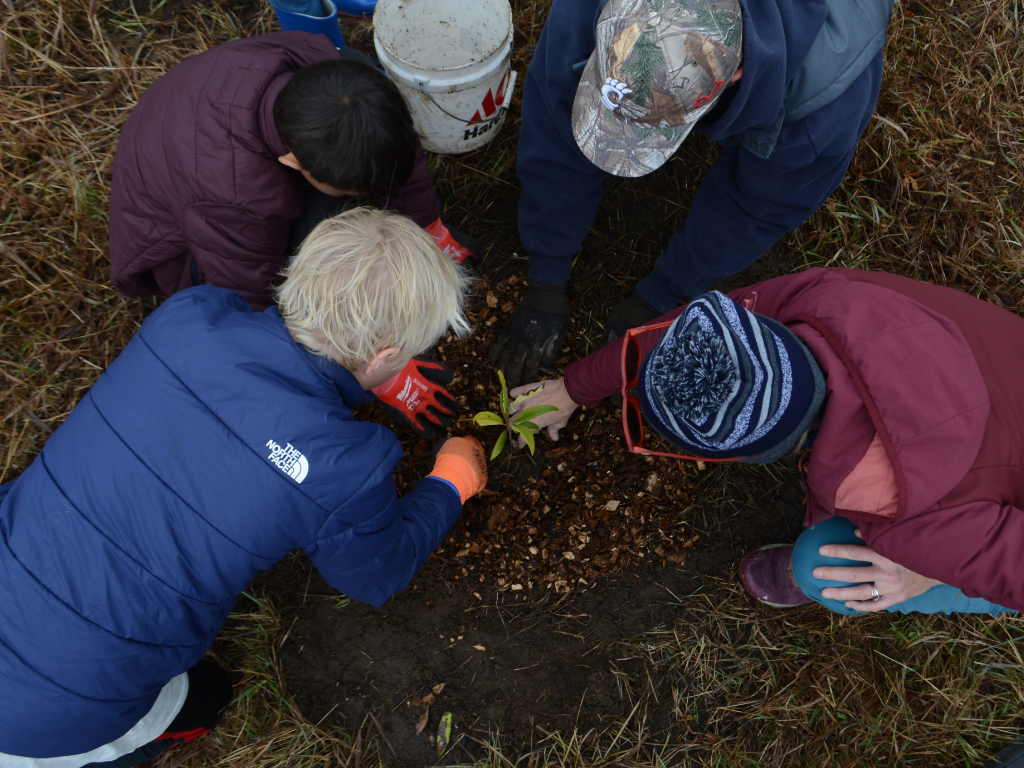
(658, 66)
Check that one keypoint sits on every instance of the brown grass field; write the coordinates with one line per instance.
(933, 193)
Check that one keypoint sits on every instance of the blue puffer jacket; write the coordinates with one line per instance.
(212, 447)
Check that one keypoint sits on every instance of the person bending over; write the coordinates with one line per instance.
(217, 442)
(230, 159)
(616, 86)
(902, 400)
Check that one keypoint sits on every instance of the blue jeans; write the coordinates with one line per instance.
(838, 530)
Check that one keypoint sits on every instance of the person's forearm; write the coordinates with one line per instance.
(557, 206)
(559, 199)
(599, 375)
(374, 559)
(430, 509)
(743, 207)
(426, 514)
(561, 189)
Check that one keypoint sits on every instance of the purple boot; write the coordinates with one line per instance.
(766, 574)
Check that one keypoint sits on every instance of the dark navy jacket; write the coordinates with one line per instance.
(747, 201)
(213, 446)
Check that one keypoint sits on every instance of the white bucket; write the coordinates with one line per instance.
(450, 60)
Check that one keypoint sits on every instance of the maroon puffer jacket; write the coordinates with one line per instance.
(936, 374)
(198, 194)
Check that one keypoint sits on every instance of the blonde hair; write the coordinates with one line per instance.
(366, 280)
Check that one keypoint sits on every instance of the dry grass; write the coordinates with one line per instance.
(747, 687)
(263, 727)
(934, 193)
(935, 189)
(70, 78)
(810, 687)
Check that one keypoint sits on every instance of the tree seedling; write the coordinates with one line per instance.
(519, 423)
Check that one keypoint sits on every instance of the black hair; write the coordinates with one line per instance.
(348, 126)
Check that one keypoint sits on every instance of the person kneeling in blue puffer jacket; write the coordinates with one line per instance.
(220, 440)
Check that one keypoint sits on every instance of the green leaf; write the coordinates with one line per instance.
(527, 435)
(533, 412)
(531, 393)
(488, 419)
(504, 395)
(444, 733)
(526, 425)
(499, 445)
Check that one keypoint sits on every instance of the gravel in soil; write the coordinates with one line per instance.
(571, 512)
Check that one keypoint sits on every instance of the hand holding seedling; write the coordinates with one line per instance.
(553, 394)
(895, 584)
(515, 417)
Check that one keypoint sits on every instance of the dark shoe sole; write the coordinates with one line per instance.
(743, 583)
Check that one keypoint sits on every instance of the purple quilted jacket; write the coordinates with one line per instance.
(198, 195)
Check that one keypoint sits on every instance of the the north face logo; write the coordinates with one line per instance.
(289, 460)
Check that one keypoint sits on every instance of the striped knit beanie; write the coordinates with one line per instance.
(724, 382)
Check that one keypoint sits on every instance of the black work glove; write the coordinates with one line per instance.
(631, 313)
(417, 397)
(533, 335)
(475, 252)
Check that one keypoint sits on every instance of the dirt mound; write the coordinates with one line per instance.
(574, 510)
(518, 664)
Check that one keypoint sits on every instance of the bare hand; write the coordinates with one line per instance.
(894, 583)
(554, 393)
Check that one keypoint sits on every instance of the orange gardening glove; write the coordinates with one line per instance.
(462, 463)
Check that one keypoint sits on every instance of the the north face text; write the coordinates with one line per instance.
(289, 460)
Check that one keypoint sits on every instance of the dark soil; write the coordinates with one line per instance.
(565, 554)
(568, 551)
(513, 664)
(520, 610)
